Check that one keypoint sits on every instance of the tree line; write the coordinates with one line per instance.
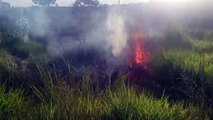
(48, 3)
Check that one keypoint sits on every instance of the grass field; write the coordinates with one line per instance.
(116, 62)
(181, 78)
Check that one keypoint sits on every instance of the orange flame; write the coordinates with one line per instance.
(141, 55)
(138, 53)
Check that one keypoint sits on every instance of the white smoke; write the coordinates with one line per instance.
(107, 34)
(117, 38)
(41, 23)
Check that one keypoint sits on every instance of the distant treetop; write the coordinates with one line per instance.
(86, 3)
(44, 3)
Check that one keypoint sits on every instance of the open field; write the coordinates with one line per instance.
(81, 68)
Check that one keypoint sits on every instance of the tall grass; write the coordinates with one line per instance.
(61, 101)
(185, 74)
(31, 89)
(120, 102)
(12, 104)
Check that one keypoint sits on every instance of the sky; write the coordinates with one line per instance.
(22, 3)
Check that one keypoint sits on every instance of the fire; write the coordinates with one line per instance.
(139, 71)
(138, 53)
(141, 55)
(140, 58)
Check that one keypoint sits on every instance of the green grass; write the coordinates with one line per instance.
(178, 63)
(81, 102)
(185, 74)
(202, 46)
(182, 72)
(12, 104)
(117, 103)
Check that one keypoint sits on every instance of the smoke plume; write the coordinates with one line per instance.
(117, 37)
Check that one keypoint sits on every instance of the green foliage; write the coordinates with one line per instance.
(9, 66)
(202, 46)
(127, 105)
(188, 60)
(185, 75)
(12, 105)
(209, 37)
(21, 49)
(119, 103)
(184, 71)
(7, 61)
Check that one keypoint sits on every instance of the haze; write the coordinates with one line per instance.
(24, 3)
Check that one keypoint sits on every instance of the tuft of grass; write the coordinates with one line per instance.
(12, 105)
(202, 46)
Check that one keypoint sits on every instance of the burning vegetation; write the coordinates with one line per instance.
(141, 54)
(94, 61)
(140, 59)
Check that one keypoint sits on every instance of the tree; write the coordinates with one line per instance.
(86, 3)
(44, 3)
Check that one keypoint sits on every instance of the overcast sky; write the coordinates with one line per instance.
(66, 2)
